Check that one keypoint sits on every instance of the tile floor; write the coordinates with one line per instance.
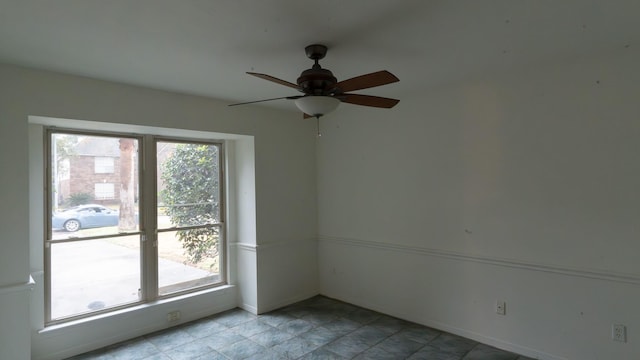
(317, 328)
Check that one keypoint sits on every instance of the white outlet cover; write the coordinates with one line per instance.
(619, 333)
(501, 308)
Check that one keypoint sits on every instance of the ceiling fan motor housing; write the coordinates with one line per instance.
(317, 81)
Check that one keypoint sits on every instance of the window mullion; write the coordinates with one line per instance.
(148, 203)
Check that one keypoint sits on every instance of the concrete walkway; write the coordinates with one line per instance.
(94, 274)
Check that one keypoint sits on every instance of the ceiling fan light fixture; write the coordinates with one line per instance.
(317, 106)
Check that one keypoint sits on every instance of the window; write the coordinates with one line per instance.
(188, 214)
(160, 235)
(104, 191)
(104, 165)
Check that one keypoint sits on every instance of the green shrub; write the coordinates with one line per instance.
(79, 199)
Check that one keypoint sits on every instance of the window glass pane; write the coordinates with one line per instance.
(188, 184)
(104, 191)
(95, 185)
(104, 164)
(188, 259)
(92, 275)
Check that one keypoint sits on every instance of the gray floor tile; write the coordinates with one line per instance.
(267, 354)
(342, 326)
(317, 328)
(363, 316)
(203, 328)
(429, 352)
(242, 349)
(369, 335)
(168, 339)
(376, 353)
(158, 356)
(271, 337)
(339, 308)
(390, 324)
(419, 334)
(319, 336)
(485, 352)
(136, 349)
(234, 317)
(221, 339)
(251, 327)
(294, 348)
(297, 311)
(453, 344)
(296, 327)
(213, 355)
(276, 318)
(347, 346)
(188, 351)
(399, 346)
(322, 354)
(320, 317)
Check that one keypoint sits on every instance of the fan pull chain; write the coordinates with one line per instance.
(318, 125)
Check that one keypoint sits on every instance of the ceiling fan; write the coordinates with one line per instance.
(322, 92)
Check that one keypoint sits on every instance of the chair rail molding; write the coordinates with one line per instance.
(26, 286)
(510, 263)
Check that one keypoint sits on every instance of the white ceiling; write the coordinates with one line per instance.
(205, 47)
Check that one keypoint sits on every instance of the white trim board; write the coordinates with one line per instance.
(26, 286)
(511, 263)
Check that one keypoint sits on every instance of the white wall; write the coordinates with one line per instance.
(520, 187)
(279, 205)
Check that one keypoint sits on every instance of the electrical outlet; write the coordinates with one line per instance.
(173, 316)
(501, 307)
(619, 333)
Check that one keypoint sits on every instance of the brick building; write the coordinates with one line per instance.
(93, 169)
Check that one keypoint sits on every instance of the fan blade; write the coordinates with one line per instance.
(367, 81)
(366, 100)
(278, 98)
(275, 80)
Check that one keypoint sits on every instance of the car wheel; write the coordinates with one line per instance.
(72, 225)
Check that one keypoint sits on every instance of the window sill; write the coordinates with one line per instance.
(155, 311)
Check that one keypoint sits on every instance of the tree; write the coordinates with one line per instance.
(64, 147)
(127, 216)
(190, 196)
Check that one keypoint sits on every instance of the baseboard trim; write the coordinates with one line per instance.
(250, 308)
(288, 301)
(510, 263)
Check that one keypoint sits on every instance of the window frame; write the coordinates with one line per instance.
(148, 227)
(222, 265)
